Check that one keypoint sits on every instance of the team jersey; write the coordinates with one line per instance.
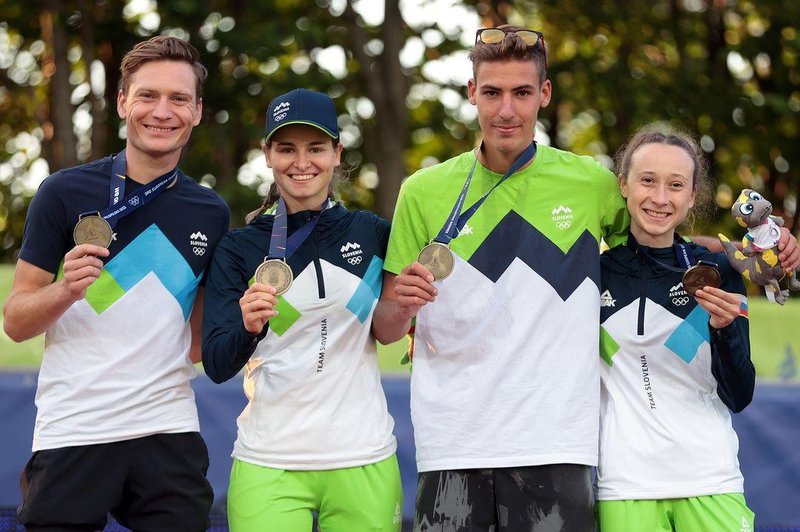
(668, 380)
(116, 363)
(505, 360)
(312, 381)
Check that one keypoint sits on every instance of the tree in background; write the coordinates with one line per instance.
(727, 70)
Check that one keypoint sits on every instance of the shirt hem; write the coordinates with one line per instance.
(48, 443)
(511, 461)
(701, 491)
(316, 465)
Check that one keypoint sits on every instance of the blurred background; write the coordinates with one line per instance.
(726, 70)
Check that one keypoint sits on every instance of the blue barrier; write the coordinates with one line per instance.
(769, 432)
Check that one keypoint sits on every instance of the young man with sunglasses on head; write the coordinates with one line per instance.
(495, 253)
(505, 384)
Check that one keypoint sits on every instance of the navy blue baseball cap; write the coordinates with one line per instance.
(302, 106)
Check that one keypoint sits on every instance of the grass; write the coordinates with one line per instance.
(24, 355)
(775, 345)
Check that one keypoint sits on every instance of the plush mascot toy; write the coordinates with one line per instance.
(758, 260)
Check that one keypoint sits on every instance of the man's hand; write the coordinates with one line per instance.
(82, 267)
(789, 251)
(258, 307)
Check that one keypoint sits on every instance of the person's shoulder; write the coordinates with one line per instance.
(201, 194)
(367, 217)
(82, 172)
(357, 220)
(76, 178)
(557, 156)
(240, 238)
(441, 172)
(617, 258)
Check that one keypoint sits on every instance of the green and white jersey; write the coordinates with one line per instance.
(506, 359)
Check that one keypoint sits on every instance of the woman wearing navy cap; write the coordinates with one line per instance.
(290, 298)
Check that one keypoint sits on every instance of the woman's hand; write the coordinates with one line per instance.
(723, 307)
(258, 307)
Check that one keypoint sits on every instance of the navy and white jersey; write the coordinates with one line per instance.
(116, 363)
(668, 379)
(315, 399)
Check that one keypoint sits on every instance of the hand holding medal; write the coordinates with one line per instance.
(696, 274)
(258, 307)
(82, 266)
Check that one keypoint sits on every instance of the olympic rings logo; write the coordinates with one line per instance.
(355, 260)
(680, 301)
(564, 225)
(198, 250)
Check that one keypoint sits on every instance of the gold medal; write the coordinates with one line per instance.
(275, 273)
(93, 230)
(699, 276)
(438, 259)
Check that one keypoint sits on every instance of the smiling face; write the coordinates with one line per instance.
(302, 159)
(508, 95)
(659, 189)
(160, 108)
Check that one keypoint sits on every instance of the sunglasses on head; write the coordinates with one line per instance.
(531, 38)
(496, 36)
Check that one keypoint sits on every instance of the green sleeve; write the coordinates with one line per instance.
(409, 229)
(614, 217)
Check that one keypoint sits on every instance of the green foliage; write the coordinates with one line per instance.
(728, 71)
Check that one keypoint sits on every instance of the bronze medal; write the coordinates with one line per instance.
(275, 273)
(699, 276)
(93, 230)
(438, 259)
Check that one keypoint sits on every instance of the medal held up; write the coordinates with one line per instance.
(97, 228)
(437, 257)
(92, 229)
(275, 271)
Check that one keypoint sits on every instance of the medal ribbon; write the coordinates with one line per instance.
(279, 246)
(455, 222)
(682, 251)
(132, 202)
